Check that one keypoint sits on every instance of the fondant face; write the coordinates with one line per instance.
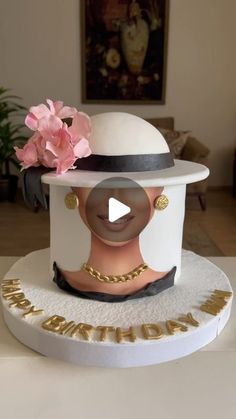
(94, 212)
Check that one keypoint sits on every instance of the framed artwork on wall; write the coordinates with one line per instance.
(124, 51)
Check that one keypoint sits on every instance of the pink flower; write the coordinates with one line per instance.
(80, 127)
(57, 150)
(82, 149)
(56, 108)
(27, 155)
(49, 125)
(80, 131)
(61, 111)
(53, 144)
(62, 150)
(45, 157)
(35, 114)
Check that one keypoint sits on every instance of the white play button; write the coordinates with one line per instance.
(116, 210)
(112, 199)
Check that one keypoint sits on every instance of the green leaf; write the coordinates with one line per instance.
(11, 132)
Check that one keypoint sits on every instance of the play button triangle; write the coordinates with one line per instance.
(116, 209)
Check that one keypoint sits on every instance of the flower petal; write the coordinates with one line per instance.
(40, 111)
(64, 133)
(48, 159)
(35, 137)
(49, 125)
(53, 148)
(64, 165)
(31, 121)
(66, 112)
(55, 107)
(51, 106)
(82, 149)
(81, 127)
(19, 153)
(27, 155)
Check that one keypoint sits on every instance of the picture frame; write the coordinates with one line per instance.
(124, 51)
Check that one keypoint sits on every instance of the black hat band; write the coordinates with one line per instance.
(125, 163)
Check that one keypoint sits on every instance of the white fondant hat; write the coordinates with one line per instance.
(125, 145)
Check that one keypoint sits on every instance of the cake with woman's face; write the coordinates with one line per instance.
(109, 291)
(117, 217)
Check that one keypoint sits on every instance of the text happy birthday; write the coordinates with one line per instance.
(12, 292)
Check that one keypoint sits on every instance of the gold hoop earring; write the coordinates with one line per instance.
(161, 202)
(71, 201)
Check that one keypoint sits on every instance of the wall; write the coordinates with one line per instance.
(40, 57)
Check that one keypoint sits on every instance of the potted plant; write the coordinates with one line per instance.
(11, 135)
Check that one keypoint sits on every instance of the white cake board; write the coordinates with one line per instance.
(199, 278)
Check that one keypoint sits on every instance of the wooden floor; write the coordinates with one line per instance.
(209, 233)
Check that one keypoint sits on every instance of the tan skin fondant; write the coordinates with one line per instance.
(113, 258)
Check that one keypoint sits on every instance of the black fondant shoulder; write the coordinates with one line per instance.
(149, 290)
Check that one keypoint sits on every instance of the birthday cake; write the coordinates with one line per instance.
(114, 271)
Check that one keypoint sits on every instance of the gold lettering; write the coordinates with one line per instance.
(225, 294)
(188, 318)
(17, 297)
(11, 282)
(152, 331)
(130, 334)
(218, 301)
(173, 327)
(9, 295)
(67, 327)
(83, 329)
(23, 304)
(54, 323)
(11, 288)
(104, 332)
(33, 312)
(210, 307)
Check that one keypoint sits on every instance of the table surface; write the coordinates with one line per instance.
(201, 385)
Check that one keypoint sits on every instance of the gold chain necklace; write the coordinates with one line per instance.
(115, 279)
